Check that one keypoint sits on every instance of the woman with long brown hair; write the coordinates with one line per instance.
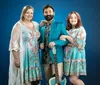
(74, 60)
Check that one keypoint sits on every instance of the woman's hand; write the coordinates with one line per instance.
(16, 58)
(43, 22)
(17, 62)
(63, 37)
(37, 35)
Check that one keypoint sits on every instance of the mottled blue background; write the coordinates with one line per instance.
(10, 11)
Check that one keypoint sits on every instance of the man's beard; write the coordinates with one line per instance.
(49, 17)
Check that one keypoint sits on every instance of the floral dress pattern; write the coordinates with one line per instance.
(26, 41)
(74, 60)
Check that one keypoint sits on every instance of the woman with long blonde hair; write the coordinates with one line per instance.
(24, 56)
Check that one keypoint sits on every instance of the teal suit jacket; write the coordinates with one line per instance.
(57, 29)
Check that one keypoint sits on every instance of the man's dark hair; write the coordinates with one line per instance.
(48, 6)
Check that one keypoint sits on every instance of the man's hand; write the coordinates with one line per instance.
(42, 45)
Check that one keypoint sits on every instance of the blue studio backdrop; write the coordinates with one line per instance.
(10, 11)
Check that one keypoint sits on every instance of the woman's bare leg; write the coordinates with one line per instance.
(28, 83)
(75, 81)
(79, 82)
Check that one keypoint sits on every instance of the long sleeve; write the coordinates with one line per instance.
(79, 40)
(63, 32)
(15, 73)
(15, 35)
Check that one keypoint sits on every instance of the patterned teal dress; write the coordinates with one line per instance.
(25, 42)
(31, 64)
(74, 60)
